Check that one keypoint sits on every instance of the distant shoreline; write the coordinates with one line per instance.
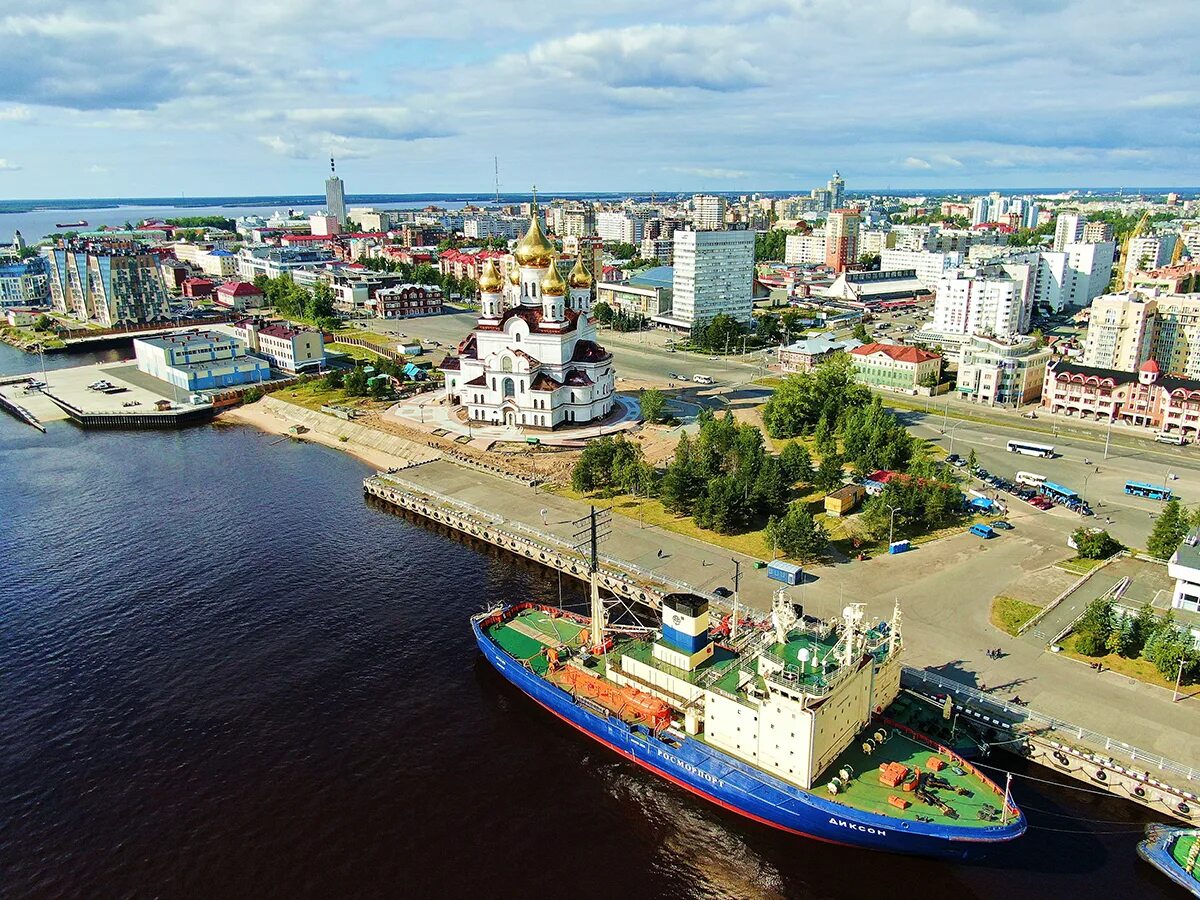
(8, 207)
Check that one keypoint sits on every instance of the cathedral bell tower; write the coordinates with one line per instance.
(491, 292)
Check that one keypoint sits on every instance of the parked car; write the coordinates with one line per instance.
(722, 592)
(1003, 525)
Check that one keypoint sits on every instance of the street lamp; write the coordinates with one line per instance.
(957, 425)
(892, 522)
(1178, 679)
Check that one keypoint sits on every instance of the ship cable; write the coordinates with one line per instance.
(1140, 830)
(1057, 784)
(1047, 812)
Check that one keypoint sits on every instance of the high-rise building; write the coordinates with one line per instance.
(1095, 232)
(837, 191)
(1072, 277)
(109, 284)
(1147, 253)
(335, 195)
(1120, 331)
(841, 239)
(987, 300)
(709, 212)
(23, 282)
(980, 210)
(1068, 229)
(714, 273)
(800, 249)
(622, 225)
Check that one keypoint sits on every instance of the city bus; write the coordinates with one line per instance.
(1030, 479)
(1153, 491)
(1058, 493)
(1030, 449)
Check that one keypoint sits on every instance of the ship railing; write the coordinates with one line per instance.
(1023, 715)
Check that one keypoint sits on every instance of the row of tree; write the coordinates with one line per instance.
(618, 319)
(1157, 639)
(293, 301)
(1171, 527)
(806, 400)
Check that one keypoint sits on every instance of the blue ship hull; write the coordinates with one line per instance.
(1156, 850)
(736, 786)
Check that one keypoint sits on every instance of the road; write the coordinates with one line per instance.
(1131, 517)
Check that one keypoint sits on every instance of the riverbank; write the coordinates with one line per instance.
(277, 417)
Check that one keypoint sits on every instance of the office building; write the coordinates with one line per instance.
(1068, 229)
(199, 361)
(324, 225)
(808, 353)
(335, 195)
(929, 266)
(405, 301)
(1144, 399)
(714, 274)
(532, 360)
(841, 239)
(646, 294)
(895, 367)
(288, 348)
(110, 284)
(708, 212)
(986, 300)
(997, 372)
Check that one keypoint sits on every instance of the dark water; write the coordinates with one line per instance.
(224, 673)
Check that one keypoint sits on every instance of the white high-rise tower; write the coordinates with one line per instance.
(335, 195)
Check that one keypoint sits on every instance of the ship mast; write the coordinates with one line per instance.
(594, 527)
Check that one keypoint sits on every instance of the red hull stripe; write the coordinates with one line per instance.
(685, 785)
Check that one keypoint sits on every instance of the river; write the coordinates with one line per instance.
(223, 672)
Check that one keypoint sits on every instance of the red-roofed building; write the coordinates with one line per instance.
(195, 288)
(895, 366)
(238, 296)
(469, 265)
(288, 348)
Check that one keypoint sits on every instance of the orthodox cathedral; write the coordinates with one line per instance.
(532, 360)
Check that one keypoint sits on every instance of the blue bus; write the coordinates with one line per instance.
(1058, 493)
(1142, 489)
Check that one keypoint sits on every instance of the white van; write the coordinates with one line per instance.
(1030, 479)
(1164, 438)
(702, 379)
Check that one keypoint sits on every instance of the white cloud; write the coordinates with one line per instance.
(915, 162)
(15, 113)
(6, 166)
(97, 169)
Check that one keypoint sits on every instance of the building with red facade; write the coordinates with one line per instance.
(1145, 398)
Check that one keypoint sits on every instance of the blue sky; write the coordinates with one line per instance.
(131, 97)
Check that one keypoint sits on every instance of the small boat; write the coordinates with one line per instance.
(80, 224)
(1174, 852)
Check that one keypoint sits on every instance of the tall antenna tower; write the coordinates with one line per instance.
(496, 161)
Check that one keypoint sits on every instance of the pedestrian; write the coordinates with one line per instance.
(660, 552)
(544, 511)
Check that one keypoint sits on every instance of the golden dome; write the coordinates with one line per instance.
(552, 281)
(490, 281)
(514, 272)
(579, 277)
(535, 248)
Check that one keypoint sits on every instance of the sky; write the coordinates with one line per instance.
(105, 98)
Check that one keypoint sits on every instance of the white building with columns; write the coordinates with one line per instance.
(532, 360)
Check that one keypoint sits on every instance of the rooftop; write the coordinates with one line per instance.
(897, 352)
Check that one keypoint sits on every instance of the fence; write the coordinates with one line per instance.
(1024, 715)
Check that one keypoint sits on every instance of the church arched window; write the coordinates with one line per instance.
(506, 365)
(509, 387)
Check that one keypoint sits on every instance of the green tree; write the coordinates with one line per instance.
(605, 463)
(870, 260)
(796, 463)
(355, 382)
(654, 405)
(44, 323)
(972, 460)
(801, 401)
(1091, 544)
(621, 250)
(603, 313)
(861, 333)
(333, 380)
(380, 388)
(1170, 528)
(829, 473)
(1168, 646)
(766, 328)
(1094, 628)
(680, 484)
(797, 534)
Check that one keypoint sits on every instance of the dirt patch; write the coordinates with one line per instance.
(1041, 586)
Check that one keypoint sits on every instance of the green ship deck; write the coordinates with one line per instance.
(1181, 847)
(865, 792)
(527, 635)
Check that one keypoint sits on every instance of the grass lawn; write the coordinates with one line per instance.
(313, 396)
(1079, 565)
(1009, 615)
(1139, 668)
(352, 351)
(652, 513)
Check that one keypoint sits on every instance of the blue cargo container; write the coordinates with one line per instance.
(899, 546)
(786, 572)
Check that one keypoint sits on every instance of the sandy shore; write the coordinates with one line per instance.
(257, 416)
